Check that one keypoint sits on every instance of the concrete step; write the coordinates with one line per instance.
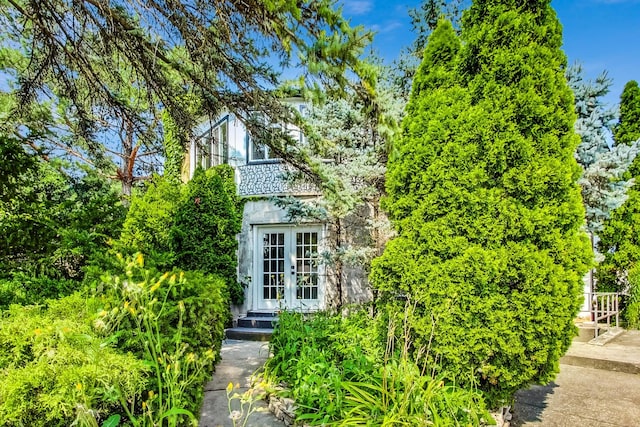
(620, 355)
(249, 334)
(262, 313)
(608, 336)
(257, 322)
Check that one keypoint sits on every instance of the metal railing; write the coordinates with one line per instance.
(604, 306)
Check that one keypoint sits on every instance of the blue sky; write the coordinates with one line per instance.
(601, 34)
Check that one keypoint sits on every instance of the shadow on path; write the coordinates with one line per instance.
(531, 403)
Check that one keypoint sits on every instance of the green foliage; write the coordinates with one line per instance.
(628, 128)
(354, 371)
(174, 147)
(15, 163)
(620, 237)
(482, 190)
(55, 367)
(207, 219)
(56, 222)
(603, 182)
(631, 312)
(174, 322)
(149, 219)
(24, 289)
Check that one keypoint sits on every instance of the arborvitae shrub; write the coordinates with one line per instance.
(207, 220)
(151, 214)
(482, 191)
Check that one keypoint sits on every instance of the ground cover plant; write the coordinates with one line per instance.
(356, 370)
(138, 350)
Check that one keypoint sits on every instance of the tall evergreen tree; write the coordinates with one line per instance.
(620, 237)
(605, 163)
(225, 54)
(482, 190)
(628, 128)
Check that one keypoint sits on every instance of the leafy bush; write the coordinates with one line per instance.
(191, 227)
(55, 368)
(354, 371)
(203, 235)
(482, 191)
(631, 312)
(55, 223)
(149, 220)
(174, 322)
(23, 289)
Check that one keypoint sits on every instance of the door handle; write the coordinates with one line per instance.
(293, 269)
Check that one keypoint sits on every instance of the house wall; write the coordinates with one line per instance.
(260, 212)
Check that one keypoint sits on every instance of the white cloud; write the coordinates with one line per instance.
(357, 7)
(387, 27)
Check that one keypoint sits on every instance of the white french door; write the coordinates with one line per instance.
(288, 273)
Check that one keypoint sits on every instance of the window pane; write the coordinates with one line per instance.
(258, 151)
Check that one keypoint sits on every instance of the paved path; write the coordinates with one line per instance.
(581, 397)
(598, 386)
(240, 359)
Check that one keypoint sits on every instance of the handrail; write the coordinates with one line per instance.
(604, 306)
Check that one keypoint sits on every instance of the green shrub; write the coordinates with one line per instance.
(57, 222)
(482, 189)
(55, 368)
(174, 322)
(631, 313)
(24, 289)
(203, 235)
(149, 220)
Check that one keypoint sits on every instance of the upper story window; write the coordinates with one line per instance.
(259, 152)
(212, 147)
(262, 152)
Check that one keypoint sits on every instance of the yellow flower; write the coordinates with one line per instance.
(229, 387)
(102, 313)
(37, 331)
(79, 386)
(151, 394)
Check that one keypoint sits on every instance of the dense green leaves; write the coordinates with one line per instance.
(628, 128)
(482, 190)
(55, 222)
(207, 219)
(620, 237)
(604, 163)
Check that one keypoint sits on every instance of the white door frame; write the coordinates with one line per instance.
(287, 266)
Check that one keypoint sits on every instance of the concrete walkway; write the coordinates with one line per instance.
(597, 386)
(240, 360)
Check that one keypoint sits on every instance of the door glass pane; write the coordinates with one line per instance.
(307, 265)
(273, 262)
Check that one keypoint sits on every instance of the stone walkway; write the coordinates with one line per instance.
(240, 360)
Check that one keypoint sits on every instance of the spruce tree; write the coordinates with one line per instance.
(620, 237)
(482, 191)
(605, 165)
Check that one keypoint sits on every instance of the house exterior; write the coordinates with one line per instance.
(279, 261)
